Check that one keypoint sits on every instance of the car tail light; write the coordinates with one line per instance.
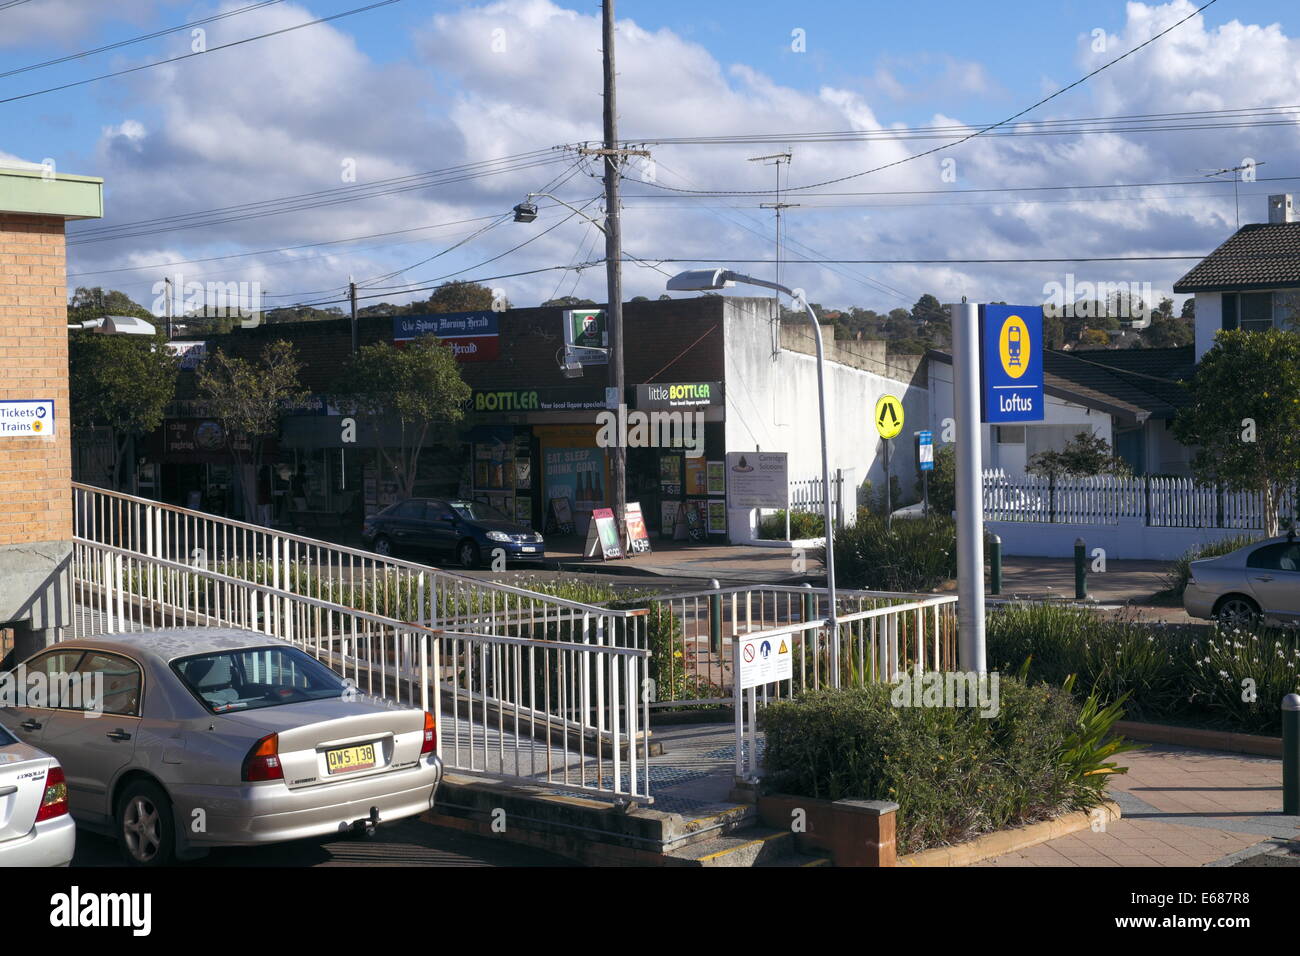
(430, 735)
(55, 802)
(263, 761)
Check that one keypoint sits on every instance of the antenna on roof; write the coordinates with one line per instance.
(1247, 166)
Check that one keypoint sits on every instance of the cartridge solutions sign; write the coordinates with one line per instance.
(1011, 363)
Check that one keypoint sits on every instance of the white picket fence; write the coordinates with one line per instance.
(1105, 500)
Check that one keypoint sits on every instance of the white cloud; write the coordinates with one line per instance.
(280, 118)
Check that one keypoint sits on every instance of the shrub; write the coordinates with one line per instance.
(909, 554)
(1229, 679)
(953, 773)
(942, 481)
(1181, 570)
(803, 524)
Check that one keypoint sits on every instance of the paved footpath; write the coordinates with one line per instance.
(1181, 807)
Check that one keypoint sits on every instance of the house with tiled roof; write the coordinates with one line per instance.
(1252, 281)
(1129, 397)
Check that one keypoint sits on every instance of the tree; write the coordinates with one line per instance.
(122, 381)
(247, 399)
(1244, 415)
(943, 481)
(459, 297)
(419, 386)
(569, 302)
(1084, 455)
(93, 302)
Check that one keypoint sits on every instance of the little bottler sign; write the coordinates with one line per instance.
(27, 418)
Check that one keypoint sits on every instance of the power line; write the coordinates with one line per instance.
(186, 56)
(970, 136)
(304, 202)
(140, 39)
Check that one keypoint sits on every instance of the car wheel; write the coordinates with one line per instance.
(144, 825)
(468, 554)
(383, 546)
(1237, 611)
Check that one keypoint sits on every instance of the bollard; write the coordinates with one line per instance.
(995, 556)
(809, 604)
(1291, 754)
(715, 619)
(1080, 569)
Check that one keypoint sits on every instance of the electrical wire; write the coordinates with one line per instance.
(969, 136)
(140, 39)
(186, 56)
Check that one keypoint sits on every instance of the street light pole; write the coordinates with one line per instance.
(702, 280)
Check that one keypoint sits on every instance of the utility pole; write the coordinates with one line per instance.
(613, 259)
(352, 294)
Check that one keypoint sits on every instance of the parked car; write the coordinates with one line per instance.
(205, 737)
(467, 530)
(35, 827)
(1260, 582)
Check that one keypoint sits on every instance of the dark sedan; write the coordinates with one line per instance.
(469, 531)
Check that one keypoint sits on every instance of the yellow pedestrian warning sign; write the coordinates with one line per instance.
(784, 649)
(889, 416)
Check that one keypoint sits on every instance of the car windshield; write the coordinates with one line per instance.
(474, 511)
(254, 677)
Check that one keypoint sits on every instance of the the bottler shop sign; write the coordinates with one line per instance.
(27, 418)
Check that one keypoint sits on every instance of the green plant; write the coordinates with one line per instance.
(803, 524)
(942, 481)
(1241, 676)
(954, 773)
(1180, 571)
(908, 554)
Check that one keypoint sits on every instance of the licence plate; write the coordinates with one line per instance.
(347, 759)
(528, 549)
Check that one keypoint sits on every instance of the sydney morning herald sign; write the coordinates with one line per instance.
(473, 336)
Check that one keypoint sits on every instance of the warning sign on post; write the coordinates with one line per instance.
(764, 660)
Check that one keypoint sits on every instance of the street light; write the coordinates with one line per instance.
(527, 211)
(710, 280)
(117, 325)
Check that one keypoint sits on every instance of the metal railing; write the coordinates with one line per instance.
(338, 574)
(691, 634)
(566, 714)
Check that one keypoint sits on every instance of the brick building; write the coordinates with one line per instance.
(35, 436)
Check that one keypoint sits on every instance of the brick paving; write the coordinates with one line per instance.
(1181, 807)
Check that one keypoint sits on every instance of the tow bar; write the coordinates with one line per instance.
(366, 825)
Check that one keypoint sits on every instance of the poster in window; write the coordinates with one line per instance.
(717, 517)
(480, 474)
(717, 477)
(668, 518)
(523, 474)
(670, 474)
(524, 511)
(696, 477)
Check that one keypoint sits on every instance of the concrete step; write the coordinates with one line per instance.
(749, 846)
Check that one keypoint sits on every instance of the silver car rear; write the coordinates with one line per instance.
(27, 777)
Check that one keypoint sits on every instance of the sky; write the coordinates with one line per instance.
(409, 130)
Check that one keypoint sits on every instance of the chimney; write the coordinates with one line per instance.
(1280, 209)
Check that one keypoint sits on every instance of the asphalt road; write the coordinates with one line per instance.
(408, 843)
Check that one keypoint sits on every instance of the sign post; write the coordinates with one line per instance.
(889, 422)
(966, 394)
(756, 662)
(925, 458)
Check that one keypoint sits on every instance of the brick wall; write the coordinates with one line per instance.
(670, 341)
(35, 500)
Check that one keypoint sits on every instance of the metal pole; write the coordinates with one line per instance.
(826, 498)
(889, 493)
(613, 257)
(1080, 569)
(970, 513)
(995, 572)
(1291, 754)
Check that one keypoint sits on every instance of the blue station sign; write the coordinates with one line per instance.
(1011, 363)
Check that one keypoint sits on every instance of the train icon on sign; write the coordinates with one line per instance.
(1013, 344)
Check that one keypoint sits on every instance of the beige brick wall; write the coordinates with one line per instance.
(35, 500)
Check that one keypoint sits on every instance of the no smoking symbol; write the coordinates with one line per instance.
(749, 653)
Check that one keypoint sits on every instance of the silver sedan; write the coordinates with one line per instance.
(182, 739)
(35, 828)
(1257, 583)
